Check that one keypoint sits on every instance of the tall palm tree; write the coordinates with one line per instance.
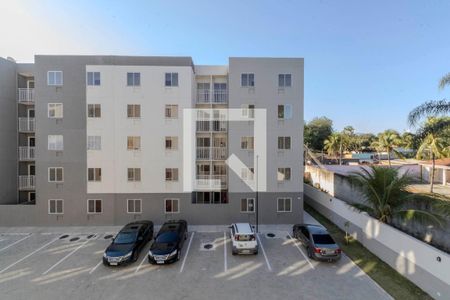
(333, 145)
(388, 141)
(385, 197)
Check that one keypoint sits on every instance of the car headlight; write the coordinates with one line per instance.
(150, 253)
(104, 255)
(174, 252)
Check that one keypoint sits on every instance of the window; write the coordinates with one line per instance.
(285, 112)
(171, 174)
(94, 142)
(171, 206)
(284, 80)
(247, 173)
(210, 197)
(171, 111)
(134, 206)
(94, 110)
(284, 205)
(284, 142)
(248, 111)
(94, 174)
(171, 143)
(94, 206)
(171, 79)
(134, 174)
(56, 174)
(55, 206)
(55, 78)
(247, 80)
(247, 143)
(134, 143)
(93, 78)
(133, 110)
(55, 110)
(284, 174)
(55, 142)
(247, 205)
(133, 79)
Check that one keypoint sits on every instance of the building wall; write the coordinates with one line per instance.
(8, 132)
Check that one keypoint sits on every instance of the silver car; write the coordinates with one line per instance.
(318, 242)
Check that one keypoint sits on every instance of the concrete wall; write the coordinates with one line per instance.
(426, 266)
(8, 132)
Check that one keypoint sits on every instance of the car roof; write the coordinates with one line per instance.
(313, 228)
(243, 228)
(134, 226)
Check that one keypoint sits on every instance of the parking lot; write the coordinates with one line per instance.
(56, 264)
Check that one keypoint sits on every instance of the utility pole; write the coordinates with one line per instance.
(256, 198)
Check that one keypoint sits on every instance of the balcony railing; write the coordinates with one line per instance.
(212, 126)
(26, 153)
(214, 182)
(27, 124)
(27, 182)
(204, 96)
(25, 95)
(211, 153)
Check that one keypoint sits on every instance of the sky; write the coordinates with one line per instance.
(367, 63)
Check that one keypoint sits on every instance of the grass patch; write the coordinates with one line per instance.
(389, 279)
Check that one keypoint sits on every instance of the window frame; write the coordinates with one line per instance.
(171, 180)
(54, 72)
(246, 139)
(56, 206)
(134, 212)
(95, 212)
(247, 211)
(56, 174)
(134, 171)
(284, 173)
(94, 175)
(283, 140)
(61, 105)
(173, 140)
(172, 200)
(94, 82)
(282, 78)
(284, 204)
(170, 82)
(133, 110)
(55, 137)
(173, 109)
(287, 113)
(94, 106)
(135, 82)
(135, 139)
(247, 80)
(97, 141)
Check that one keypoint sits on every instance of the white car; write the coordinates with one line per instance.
(243, 239)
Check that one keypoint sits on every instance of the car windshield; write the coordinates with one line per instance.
(245, 237)
(322, 239)
(166, 240)
(125, 238)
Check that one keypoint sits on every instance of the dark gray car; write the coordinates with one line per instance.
(318, 242)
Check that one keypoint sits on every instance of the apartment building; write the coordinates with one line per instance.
(103, 140)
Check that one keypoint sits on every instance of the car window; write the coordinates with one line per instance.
(126, 237)
(322, 239)
(305, 232)
(232, 230)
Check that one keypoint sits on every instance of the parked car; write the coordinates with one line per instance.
(243, 239)
(168, 242)
(128, 243)
(318, 242)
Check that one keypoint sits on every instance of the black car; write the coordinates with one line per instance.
(128, 243)
(168, 243)
(318, 242)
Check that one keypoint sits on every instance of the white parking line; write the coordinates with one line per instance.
(296, 245)
(264, 253)
(187, 252)
(140, 265)
(23, 258)
(225, 263)
(16, 242)
(68, 255)
(96, 266)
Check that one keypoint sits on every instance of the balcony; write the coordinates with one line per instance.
(26, 153)
(212, 126)
(25, 96)
(211, 153)
(27, 124)
(204, 96)
(211, 182)
(27, 182)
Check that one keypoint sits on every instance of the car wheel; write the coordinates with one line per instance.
(233, 252)
(309, 253)
(256, 252)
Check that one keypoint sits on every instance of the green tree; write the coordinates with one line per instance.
(333, 145)
(385, 197)
(317, 131)
(388, 141)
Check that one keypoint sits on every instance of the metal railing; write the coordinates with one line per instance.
(27, 182)
(212, 126)
(214, 182)
(27, 124)
(26, 153)
(204, 96)
(25, 95)
(220, 96)
(211, 153)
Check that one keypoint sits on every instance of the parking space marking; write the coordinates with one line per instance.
(68, 255)
(23, 258)
(96, 266)
(225, 263)
(16, 242)
(264, 253)
(300, 250)
(140, 265)
(187, 252)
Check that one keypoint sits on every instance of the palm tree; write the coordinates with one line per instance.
(432, 146)
(387, 141)
(333, 145)
(385, 197)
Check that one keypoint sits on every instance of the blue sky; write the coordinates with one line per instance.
(367, 64)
